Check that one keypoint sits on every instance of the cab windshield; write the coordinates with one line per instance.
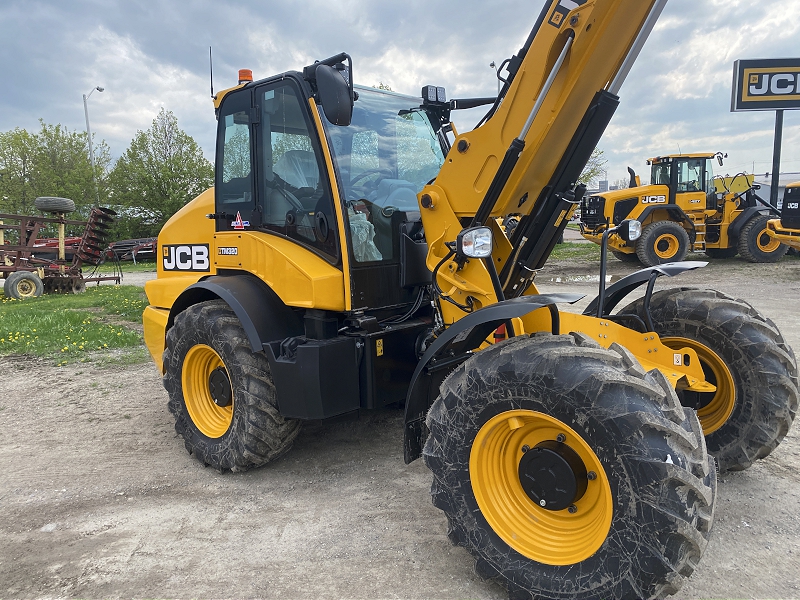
(383, 158)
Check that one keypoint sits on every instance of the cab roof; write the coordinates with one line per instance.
(667, 157)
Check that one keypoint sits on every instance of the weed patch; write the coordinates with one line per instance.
(72, 327)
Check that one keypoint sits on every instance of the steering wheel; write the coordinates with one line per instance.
(366, 187)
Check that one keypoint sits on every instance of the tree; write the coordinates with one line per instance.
(159, 173)
(593, 168)
(52, 162)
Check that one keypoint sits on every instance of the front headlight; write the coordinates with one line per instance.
(475, 242)
(630, 230)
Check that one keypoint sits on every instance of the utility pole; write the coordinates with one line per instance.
(89, 134)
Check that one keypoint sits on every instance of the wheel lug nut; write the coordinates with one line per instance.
(591, 475)
(561, 438)
(525, 448)
(572, 509)
(542, 502)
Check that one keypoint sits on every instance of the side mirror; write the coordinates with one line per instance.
(334, 95)
(719, 160)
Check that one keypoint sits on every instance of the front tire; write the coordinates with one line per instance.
(745, 356)
(221, 393)
(756, 245)
(662, 242)
(22, 285)
(644, 518)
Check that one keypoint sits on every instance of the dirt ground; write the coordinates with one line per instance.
(98, 497)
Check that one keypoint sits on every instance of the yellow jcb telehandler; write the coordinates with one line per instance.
(349, 259)
(684, 209)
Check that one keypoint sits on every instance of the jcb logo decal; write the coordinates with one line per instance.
(793, 205)
(772, 84)
(654, 199)
(185, 257)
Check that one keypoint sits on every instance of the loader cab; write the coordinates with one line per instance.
(270, 171)
(690, 179)
(272, 176)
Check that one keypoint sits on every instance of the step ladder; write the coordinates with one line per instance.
(699, 222)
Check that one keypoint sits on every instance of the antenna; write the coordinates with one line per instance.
(211, 70)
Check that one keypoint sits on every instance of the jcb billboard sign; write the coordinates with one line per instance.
(772, 84)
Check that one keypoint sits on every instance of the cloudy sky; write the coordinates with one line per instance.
(153, 53)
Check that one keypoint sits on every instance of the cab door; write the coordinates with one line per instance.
(690, 184)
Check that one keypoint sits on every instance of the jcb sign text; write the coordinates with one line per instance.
(772, 84)
(193, 257)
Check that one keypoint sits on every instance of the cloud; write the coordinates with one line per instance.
(149, 54)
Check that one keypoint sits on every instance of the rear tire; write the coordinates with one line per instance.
(640, 540)
(22, 285)
(662, 242)
(755, 244)
(748, 357)
(207, 350)
(721, 252)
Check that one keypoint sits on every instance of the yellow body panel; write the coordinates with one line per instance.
(155, 327)
(298, 276)
(734, 184)
(189, 226)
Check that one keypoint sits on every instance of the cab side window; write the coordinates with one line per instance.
(234, 188)
(294, 193)
(690, 175)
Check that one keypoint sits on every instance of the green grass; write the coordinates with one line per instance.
(72, 327)
(576, 251)
(128, 267)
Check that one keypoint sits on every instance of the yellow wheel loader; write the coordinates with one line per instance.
(786, 230)
(349, 259)
(685, 209)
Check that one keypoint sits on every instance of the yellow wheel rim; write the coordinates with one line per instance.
(212, 420)
(546, 536)
(766, 243)
(719, 406)
(26, 288)
(666, 245)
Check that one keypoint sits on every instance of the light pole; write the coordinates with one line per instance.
(89, 134)
(497, 73)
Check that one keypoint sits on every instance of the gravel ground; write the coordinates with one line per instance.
(99, 498)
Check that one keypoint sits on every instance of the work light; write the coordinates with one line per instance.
(475, 242)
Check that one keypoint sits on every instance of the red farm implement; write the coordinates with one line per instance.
(32, 265)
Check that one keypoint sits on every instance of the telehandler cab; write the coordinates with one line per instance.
(685, 208)
(349, 258)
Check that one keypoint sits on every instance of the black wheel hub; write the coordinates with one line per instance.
(553, 475)
(220, 387)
